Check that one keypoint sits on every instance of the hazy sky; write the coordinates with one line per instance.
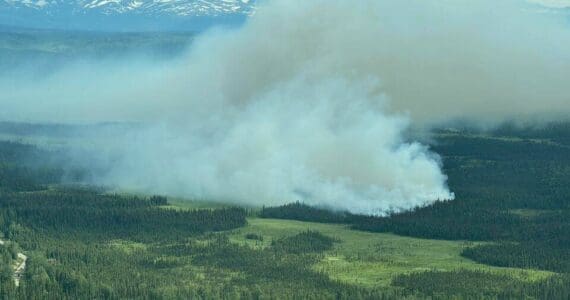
(552, 3)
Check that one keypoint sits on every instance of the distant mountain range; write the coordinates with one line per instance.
(150, 15)
(124, 15)
(146, 7)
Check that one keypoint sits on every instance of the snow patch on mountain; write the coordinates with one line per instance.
(146, 7)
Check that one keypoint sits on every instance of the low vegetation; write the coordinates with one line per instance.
(505, 236)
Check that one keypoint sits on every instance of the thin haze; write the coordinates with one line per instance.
(309, 100)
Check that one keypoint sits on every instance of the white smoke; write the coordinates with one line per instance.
(326, 143)
(309, 100)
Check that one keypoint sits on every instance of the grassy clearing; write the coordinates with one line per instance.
(374, 259)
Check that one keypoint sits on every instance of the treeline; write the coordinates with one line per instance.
(514, 193)
(558, 132)
(18, 153)
(468, 284)
(85, 214)
(8, 254)
(302, 212)
(26, 168)
(447, 221)
(522, 255)
(555, 131)
(304, 242)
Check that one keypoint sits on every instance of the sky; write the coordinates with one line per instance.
(552, 3)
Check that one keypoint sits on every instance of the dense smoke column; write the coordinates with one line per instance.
(310, 100)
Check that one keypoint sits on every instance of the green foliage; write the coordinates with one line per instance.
(7, 257)
(522, 255)
(492, 177)
(454, 220)
(71, 237)
(291, 273)
(302, 212)
(158, 200)
(82, 243)
(253, 236)
(23, 169)
(479, 284)
(86, 214)
(304, 242)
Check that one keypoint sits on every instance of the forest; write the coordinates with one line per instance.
(511, 187)
(507, 230)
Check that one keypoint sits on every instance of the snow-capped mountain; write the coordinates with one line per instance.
(169, 7)
(96, 14)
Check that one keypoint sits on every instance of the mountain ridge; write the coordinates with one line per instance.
(124, 15)
(108, 7)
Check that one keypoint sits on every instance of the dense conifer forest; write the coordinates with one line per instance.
(512, 190)
(511, 208)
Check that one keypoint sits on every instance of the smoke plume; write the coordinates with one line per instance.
(310, 100)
